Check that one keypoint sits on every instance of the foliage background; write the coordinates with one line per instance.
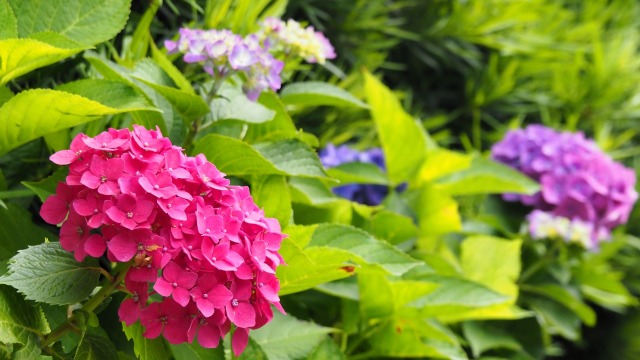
(432, 278)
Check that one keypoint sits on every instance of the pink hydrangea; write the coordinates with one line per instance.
(198, 242)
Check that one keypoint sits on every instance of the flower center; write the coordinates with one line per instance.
(234, 302)
(206, 296)
(129, 214)
(156, 186)
(140, 246)
(163, 319)
(103, 179)
(175, 285)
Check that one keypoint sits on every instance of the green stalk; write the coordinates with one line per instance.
(70, 324)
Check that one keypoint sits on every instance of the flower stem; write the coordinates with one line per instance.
(107, 289)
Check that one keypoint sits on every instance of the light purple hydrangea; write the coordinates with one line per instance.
(222, 53)
(291, 38)
(578, 180)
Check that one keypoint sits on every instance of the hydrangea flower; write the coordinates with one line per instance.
(369, 194)
(222, 53)
(291, 38)
(198, 242)
(544, 225)
(578, 180)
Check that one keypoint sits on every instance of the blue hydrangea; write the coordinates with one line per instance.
(369, 194)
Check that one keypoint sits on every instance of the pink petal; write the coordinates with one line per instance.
(90, 180)
(219, 296)
(122, 247)
(239, 341)
(206, 307)
(128, 312)
(95, 245)
(243, 314)
(181, 296)
(172, 272)
(63, 157)
(116, 214)
(54, 210)
(163, 287)
(209, 336)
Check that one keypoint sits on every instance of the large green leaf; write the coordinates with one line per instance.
(87, 22)
(316, 93)
(311, 267)
(9, 23)
(410, 336)
(194, 351)
(403, 139)
(20, 56)
(281, 126)
(23, 117)
(363, 246)
(21, 322)
(562, 296)
(49, 274)
(392, 227)
(437, 215)
(17, 231)
(95, 346)
(271, 193)
(188, 105)
(115, 94)
(235, 157)
(359, 173)
(286, 338)
(486, 177)
(46, 187)
(146, 349)
(233, 104)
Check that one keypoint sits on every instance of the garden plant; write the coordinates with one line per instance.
(306, 179)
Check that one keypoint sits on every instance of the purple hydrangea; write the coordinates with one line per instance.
(369, 194)
(578, 180)
(222, 53)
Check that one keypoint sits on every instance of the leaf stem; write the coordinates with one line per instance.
(110, 284)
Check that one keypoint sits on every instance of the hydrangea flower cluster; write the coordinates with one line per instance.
(544, 225)
(332, 156)
(291, 38)
(222, 53)
(137, 197)
(578, 180)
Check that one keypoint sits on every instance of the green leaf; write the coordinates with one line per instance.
(286, 338)
(557, 319)
(5, 94)
(95, 346)
(315, 93)
(233, 104)
(392, 227)
(21, 117)
(562, 296)
(280, 127)
(403, 139)
(115, 94)
(253, 351)
(46, 187)
(9, 23)
(409, 337)
(21, 322)
(441, 162)
(87, 22)
(437, 215)
(271, 193)
(364, 247)
(358, 173)
(18, 231)
(311, 267)
(146, 349)
(485, 176)
(523, 336)
(188, 105)
(327, 349)
(49, 274)
(139, 45)
(235, 157)
(310, 191)
(178, 78)
(20, 56)
(194, 351)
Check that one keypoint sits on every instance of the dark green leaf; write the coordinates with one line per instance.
(146, 349)
(46, 187)
(49, 274)
(95, 346)
(17, 231)
(21, 322)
